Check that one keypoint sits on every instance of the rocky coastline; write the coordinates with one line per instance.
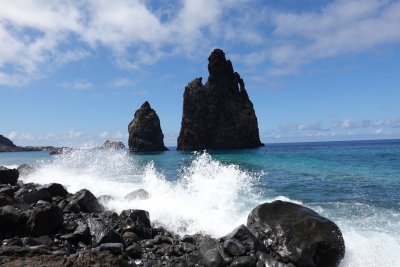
(45, 225)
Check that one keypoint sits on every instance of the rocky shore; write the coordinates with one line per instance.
(45, 225)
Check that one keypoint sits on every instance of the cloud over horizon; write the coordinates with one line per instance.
(38, 37)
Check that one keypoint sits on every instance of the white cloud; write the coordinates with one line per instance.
(37, 36)
(348, 124)
(77, 85)
(122, 82)
(317, 126)
(16, 136)
(48, 136)
(117, 135)
(394, 123)
(342, 27)
(74, 135)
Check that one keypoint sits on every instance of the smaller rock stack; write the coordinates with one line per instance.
(145, 134)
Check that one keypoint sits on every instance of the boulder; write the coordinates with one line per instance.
(102, 233)
(45, 220)
(145, 132)
(35, 196)
(137, 194)
(112, 145)
(114, 248)
(57, 190)
(9, 218)
(137, 221)
(87, 201)
(219, 114)
(9, 176)
(212, 258)
(297, 234)
(5, 200)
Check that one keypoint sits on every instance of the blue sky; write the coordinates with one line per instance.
(74, 72)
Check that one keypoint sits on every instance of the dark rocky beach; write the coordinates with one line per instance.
(44, 225)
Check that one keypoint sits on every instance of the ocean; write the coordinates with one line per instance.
(355, 183)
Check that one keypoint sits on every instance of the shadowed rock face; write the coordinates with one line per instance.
(145, 133)
(218, 114)
(6, 142)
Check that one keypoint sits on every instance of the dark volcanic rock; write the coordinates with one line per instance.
(45, 220)
(145, 132)
(218, 114)
(297, 234)
(56, 189)
(87, 201)
(102, 233)
(137, 221)
(4, 141)
(35, 196)
(112, 145)
(137, 194)
(9, 176)
(9, 217)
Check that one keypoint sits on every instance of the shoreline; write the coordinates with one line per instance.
(55, 227)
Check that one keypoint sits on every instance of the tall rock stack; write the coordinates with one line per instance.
(219, 114)
(145, 132)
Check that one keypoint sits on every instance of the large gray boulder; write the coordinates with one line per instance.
(297, 234)
(145, 134)
(219, 114)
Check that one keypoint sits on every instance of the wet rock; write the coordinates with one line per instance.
(45, 220)
(112, 145)
(45, 240)
(35, 196)
(86, 201)
(57, 190)
(240, 241)
(114, 248)
(29, 241)
(137, 194)
(14, 241)
(9, 218)
(188, 239)
(5, 200)
(134, 251)
(72, 206)
(245, 261)
(219, 114)
(9, 176)
(130, 237)
(102, 233)
(7, 190)
(212, 258)
(137, 221)
(179, 262)
(145, 132)
(297, 234)
(13, 250)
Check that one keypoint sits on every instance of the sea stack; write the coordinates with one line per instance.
(145, 134)
(219, 114)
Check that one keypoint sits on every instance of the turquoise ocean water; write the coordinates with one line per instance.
(356, 184)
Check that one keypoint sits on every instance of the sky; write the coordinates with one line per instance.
(74, 72)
